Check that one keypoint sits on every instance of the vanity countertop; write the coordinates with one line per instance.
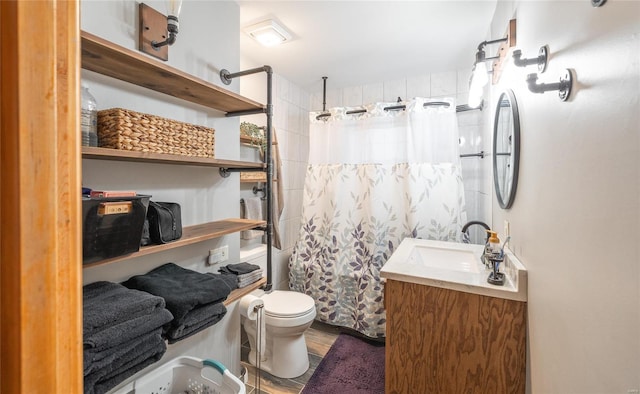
(454, 266)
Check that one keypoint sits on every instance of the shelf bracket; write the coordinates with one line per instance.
(246, 112)
(225, 171)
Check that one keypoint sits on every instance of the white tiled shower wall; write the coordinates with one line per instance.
(474, 134)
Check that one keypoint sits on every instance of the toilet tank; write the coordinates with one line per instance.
(255, 254)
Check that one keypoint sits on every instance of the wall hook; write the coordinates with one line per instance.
(257, 190)
(541, 60)
(563, 87)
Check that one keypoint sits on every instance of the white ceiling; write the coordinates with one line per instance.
(360, 42)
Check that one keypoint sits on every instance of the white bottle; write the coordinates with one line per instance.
(89, 118)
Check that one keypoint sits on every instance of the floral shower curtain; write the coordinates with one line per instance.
(373, 179)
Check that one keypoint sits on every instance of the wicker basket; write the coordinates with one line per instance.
(134, 131)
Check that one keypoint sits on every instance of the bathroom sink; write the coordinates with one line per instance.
(456, 257)
(455, 266)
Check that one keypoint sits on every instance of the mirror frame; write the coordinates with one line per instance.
(508, 202)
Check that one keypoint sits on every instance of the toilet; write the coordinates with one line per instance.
(287, 315)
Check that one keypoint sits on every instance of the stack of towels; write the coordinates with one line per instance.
(245, 272)
(194, 299)
(122, 333)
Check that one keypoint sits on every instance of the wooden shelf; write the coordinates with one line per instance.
(249, 178)
(190, 235)
(150, 157)
(109, 59)
(250, 141)
(239, 293)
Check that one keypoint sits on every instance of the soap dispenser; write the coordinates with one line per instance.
(493, 243)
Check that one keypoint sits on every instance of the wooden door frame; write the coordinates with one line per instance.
(40, 224)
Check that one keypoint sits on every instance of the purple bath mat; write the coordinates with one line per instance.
(351, 366)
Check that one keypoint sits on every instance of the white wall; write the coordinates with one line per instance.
(473, 133)
(574, 222)
(208, 41)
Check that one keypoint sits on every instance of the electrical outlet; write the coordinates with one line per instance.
(218, 255)
(225, 252)
(507, 229)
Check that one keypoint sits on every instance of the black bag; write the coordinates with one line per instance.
(145, 239)
(165, 222)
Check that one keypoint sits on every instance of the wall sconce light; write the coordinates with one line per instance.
(480, 74)
(268, 33)
(541, 60)
(157, 32)
(563, 87)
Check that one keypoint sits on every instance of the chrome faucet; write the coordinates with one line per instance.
(469, 224)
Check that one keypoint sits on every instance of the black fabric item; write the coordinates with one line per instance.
(230, 279)
(120, 353)
(107, 304)
(165, 221)
(142, 354)
(146, 238)
(241, 268)
(109, 340)
(182, 289)
(196, 321)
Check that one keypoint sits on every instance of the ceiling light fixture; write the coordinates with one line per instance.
(268, 33)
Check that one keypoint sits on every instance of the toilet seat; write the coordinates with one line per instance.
(287, 304)
(288, 308)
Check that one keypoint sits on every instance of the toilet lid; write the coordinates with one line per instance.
(287, 304)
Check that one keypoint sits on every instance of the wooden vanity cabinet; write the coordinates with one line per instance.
(447, 341)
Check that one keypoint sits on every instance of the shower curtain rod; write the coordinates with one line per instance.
(459, 108)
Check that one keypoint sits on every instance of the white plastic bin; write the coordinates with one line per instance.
(189, 375)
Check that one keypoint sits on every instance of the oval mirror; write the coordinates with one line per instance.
(506, 148)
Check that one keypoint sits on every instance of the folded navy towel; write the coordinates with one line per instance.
(196, 321)
(118, 367)
(107, 304)
(181, 288)
(239, 268)
(114, 338)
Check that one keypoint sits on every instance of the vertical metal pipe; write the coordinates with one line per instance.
(226, 77)
(268, 159)
(324, 94)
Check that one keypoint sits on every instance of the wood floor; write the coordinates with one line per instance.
(319, 338)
